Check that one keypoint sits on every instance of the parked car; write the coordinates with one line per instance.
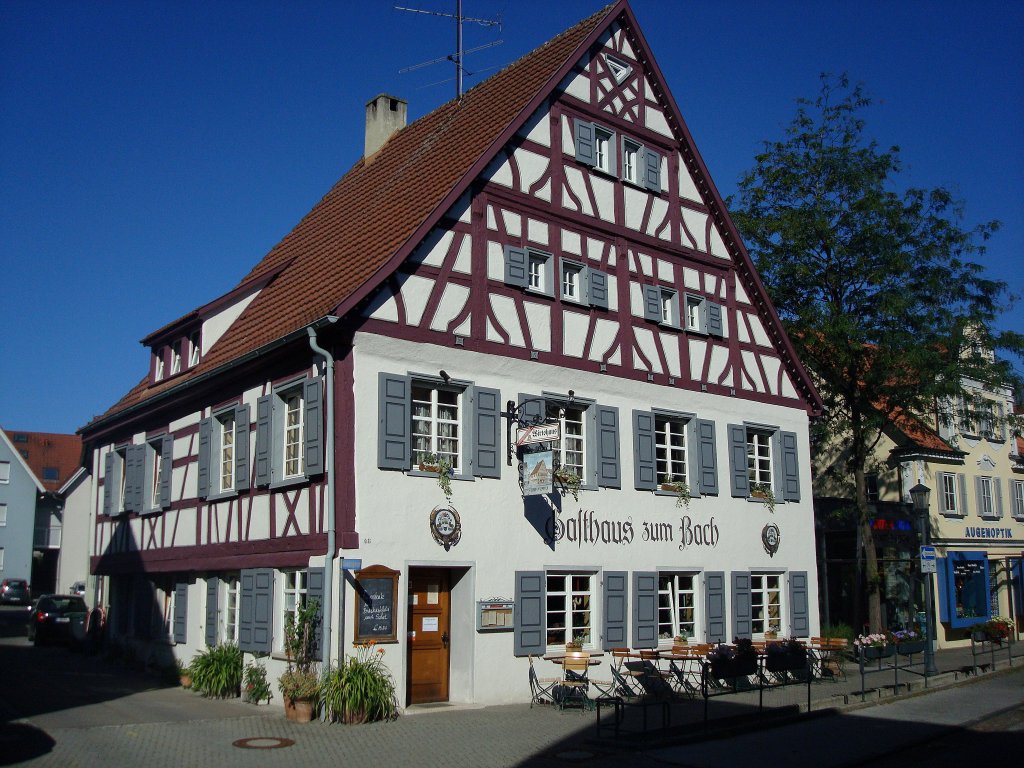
(78, 588)
(58, 617)
(15, 592)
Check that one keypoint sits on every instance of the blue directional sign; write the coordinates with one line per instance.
(928, 560)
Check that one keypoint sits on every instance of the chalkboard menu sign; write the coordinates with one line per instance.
(376, 601)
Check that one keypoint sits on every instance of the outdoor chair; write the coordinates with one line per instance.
(541, 688)
(650, 678)
(624, 686)
(574, 682)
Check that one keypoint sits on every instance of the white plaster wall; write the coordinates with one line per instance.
(216, 324)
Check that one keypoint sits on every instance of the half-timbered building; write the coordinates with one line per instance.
(548, 251)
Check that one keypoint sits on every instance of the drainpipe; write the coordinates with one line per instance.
(330, 465)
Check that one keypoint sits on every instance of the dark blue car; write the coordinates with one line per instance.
(59, 618)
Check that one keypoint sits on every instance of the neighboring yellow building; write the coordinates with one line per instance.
(974, 468)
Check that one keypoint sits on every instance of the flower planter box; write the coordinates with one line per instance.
(914, 646)
(726, 668)
(788, 661)
(877, 652)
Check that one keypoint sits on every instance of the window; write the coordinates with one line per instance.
(21, 438)
(158, 364)
(967, 417)
(229, 616)
(677, 605)
(670, 449)
(759, 457)
(539, 279)
(5, 471)
(569, 616)
(3, 515)
(121, 489)
(619, 69)
(765, 603)
(990, 500)
(293, 425)
(661, 305)
(1017, 498)
(176, 358)
(990, 421)
(156, 474)
(435, 423)
(951, 497)
(225, 426)
(289, 435)
(694, 306)
(573, 288)
(295, 592)
(604, 155)
(569, 452)
(193, 349)
(871, 485)
(595, 146)
(631, 161)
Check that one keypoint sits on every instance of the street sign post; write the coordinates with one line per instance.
(928, 560)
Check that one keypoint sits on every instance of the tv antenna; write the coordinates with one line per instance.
(456, 57)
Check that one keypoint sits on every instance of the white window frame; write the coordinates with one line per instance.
(678, 604)
(670, 460)
(578, 612)
(539, 276)
(3, 514)
(434, 413)
(158, 366)
(764, 586)
(176, 357)
(5, 472)
(194, 349)
(224, 454)
(948, 489)
(604, 142)
(574, 282)
(167, 620)
(232, 584)
(986, 497)
(292, 401)
(618, 69)
(760, 461)
(570, 451)
(121, 502)
(1017, 498)
(668, 307)
(153, 467)
(294, 594)
(632, 159)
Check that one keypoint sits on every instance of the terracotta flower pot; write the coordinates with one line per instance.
(186, 681)
(298, 710)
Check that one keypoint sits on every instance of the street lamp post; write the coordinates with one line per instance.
(920, 493)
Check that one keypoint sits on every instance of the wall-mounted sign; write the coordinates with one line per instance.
(376, 600)
(445, 526)
(538, 433)
(987, 532)
(494, 615)
(537, 473)
(928, 560)
(771, 536)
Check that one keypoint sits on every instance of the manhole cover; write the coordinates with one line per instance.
(263, 742)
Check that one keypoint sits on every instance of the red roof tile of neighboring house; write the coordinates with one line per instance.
(920, 434)
(52, 458)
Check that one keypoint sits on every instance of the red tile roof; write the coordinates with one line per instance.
(42, 451)
(918, 433)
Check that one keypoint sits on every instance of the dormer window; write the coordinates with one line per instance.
(158, 365)
(193, 349)
(176, 358)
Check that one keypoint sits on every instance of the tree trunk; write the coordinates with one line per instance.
(870, 552)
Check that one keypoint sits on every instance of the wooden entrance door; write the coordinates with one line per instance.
(429, 625)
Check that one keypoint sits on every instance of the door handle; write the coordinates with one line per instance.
(444, 639)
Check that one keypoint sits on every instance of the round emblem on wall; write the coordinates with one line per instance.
(445, 526)
(770, 537)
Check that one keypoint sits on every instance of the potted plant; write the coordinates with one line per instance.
(678, 487)
(255, 687)
(907, 641)
(995, 630)
(569, 481)
(217, 671)
(184, 674)
(873, 646)
(736, 660)
(785, 655)
(764, 492)
(361, 689)
(432, 462)
(579, 639)
(299, 683)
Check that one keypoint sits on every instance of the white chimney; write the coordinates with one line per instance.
(384, 115)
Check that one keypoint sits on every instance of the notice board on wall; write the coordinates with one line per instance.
(376, 604)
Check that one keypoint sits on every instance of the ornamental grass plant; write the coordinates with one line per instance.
(361, 689)
(217, 671)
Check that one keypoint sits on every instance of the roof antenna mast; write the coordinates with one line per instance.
(459, 53)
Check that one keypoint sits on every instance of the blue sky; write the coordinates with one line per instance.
(152, 152)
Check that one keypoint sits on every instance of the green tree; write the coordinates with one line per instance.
(878, 288)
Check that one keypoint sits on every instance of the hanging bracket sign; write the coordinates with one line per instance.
(538, 433)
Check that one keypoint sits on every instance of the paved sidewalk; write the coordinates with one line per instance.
(182, 729)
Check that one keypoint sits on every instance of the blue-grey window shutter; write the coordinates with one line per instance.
(315, 591)
(597, 288)
(109, 482)
(607, 421)
(778, 482)
(616, 603)
(264, 449)
(652, 170)
(531, 412)
(790, 467)
(738, 473)
(645, 609)
(799, 606)
(714, 602)
(652, 303)
(530, 633)
(645, 468)
(394, 416)
(129, 478)
(313, 401)
(584, 135)
(138, 477)
(487, 448)
(256, 610)
(205, 446)
(962, 507)
(517, 267)
(703, 457)
(180, 612)
(741, 612)
(212, 609)
(714, 319)
(242, 447)
(166, 470)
